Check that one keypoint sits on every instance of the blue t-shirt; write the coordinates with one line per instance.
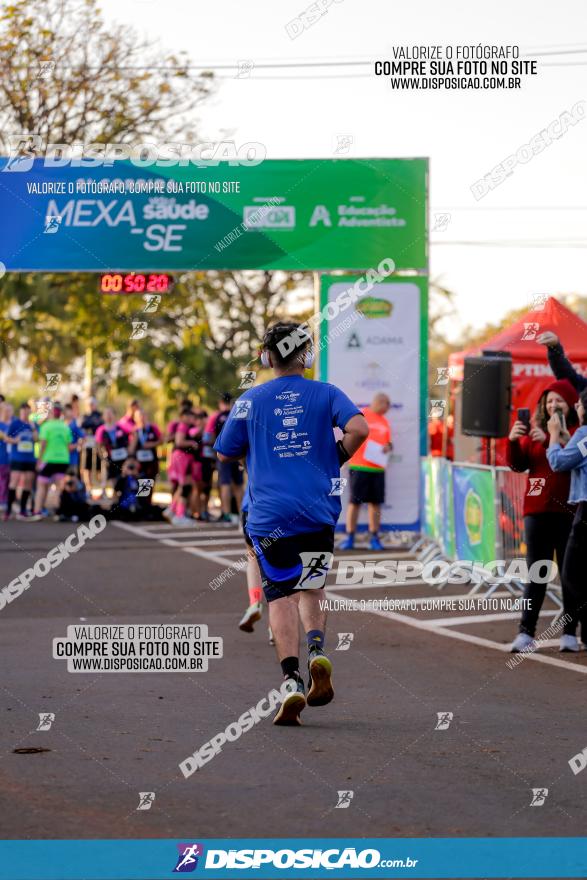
(128, 487)
(285, 428)
(24, 450)
(76, 434)
(4, 459)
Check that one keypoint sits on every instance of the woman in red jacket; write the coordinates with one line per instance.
(547, 515)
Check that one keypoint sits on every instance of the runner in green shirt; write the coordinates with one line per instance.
(56, 442)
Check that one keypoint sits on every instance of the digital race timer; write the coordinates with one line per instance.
(135, 282)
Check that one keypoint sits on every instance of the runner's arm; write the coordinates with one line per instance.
(571, 456)
(182, 440)
(152, 444)
(222, 457)
(232, 443)
(355, 433)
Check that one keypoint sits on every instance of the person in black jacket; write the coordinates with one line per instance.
(559, 362)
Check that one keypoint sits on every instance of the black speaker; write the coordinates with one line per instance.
(487, 395)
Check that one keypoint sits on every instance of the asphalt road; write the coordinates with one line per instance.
(115, 735)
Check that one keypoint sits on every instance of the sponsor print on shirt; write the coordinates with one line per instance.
(290, 466)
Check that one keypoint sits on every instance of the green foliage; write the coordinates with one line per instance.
(197, 342)
(69, 78)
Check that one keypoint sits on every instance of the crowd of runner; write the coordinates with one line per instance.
(90, 455)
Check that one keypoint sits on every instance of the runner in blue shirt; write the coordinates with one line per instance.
(77, 435)
(20, 437)
(5, 419)
(285, 429)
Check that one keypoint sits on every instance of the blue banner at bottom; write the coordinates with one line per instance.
(527, 857)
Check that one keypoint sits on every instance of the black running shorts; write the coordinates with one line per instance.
(367, 487)
(294, 563)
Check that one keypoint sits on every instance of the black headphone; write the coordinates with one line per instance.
(309, 355)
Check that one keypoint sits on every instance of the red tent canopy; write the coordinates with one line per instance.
(531, 373)
(530, 370)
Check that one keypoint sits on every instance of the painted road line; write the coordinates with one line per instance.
(230, 542)
(221, 560)
(465, 637)
(420, 600)
(373, 557)
(168, 542)
(483, 618)
(216, 539)
(191, 532)
(389, 615)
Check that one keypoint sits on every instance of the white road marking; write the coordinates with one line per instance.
(209, 542)
(170, 542)
(482, 618)
(374, 556)
(439, 627)
(377, 584)
(182, 532)
(465, 637)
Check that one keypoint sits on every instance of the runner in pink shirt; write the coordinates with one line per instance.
(127, 422)
(182, 469)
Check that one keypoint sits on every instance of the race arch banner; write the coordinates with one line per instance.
(306, 214)
(380, 343)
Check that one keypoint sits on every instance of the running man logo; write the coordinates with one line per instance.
(22, 151)
(46, 719)
(338, 484)
(244, 68)
(242, 409)
(344, 800)
(444, 719)
(536, 485)
(247, 379)
(52, 381)
(315, 569)
(146, 799)
(531, 331)
(187, 861)
(443, 375)
(139, 329)
(539, 795)
(343, 143)
(42, 407)
(145, 488)
(441, 222)
(436, 410)
(52, 225)
(344, 641)
(152, 301)
(539, 301)
(46, 68)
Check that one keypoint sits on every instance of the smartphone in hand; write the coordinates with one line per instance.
(524, 416)
(560, 415)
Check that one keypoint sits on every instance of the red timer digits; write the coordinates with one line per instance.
(135, 282)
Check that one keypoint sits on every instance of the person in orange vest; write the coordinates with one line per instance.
(367, 474)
